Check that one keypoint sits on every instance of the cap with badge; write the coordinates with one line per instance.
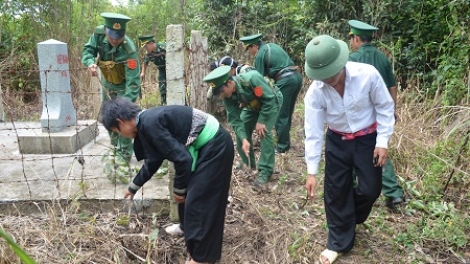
(325, 57)
(217, 78)
(360, 28)
(146, 39)
(250, 40)
(115, 24)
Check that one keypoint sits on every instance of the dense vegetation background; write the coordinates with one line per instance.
(428, 42)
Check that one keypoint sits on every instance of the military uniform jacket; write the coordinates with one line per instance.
(371, 55)
(269, 61)
(162, 133)
(158, 57)
(254, 93)
(124, 53)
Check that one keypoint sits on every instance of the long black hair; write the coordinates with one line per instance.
(118, 108)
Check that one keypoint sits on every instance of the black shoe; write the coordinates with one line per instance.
(392, 201)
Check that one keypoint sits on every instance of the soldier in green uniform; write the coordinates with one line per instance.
(360, 39)
(116, 55)
(233, 115)
(156, 53)
(251, 104)
(272, 60)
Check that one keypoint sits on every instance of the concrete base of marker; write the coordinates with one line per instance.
(68, 141)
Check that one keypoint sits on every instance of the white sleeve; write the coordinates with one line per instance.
(384, 108)
(314, 130)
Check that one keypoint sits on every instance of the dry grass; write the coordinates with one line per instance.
(272, 227)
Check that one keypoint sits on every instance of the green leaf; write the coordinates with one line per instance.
(417, 204)
(18, 250)
(153, 236)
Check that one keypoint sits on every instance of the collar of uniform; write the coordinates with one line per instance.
(368, 44)
(113, 49)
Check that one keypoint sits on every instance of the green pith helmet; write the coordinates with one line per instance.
(360, 28)
(325, 57)
(250, 40)
(146, 39)
(217, 78)
(115, 24)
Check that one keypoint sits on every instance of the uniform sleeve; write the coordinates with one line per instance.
(90, 51)
(269, 101)
(233, 116)
(389, 78)
(259, 62)
(132, 76)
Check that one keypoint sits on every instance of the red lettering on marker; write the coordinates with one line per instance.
(62, 59)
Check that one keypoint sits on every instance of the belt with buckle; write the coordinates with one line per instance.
(287, 71)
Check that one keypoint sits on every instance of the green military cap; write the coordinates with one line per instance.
(146, 39)
(115, 24)
(250, 40)
(325, 57)
(217, 78)
(360, 28)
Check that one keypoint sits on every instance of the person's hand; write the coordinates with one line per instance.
(246, 147)
(310, 185)
(142, 76)
(92, 69)
(380, 157)
(179, 198)
(261, 129)
(128, 194)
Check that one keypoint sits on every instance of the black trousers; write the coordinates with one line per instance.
(202, 215)
(345, 205)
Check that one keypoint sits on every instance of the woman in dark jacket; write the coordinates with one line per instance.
(202, 153)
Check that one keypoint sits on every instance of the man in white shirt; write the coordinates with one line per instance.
(353, 100)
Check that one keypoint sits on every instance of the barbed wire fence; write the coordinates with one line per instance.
(69, 177)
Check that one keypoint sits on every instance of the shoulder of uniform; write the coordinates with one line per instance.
(263, 46)
(129, 45)
(354, 54)
(161, 47)
(245, 78)
(274, 45)
(99, 30)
